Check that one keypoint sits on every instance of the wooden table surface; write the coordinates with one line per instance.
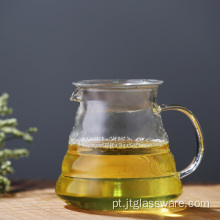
(37, 200)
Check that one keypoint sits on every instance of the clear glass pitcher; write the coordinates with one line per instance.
(118, 149)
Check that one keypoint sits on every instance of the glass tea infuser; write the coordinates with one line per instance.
(118, 148)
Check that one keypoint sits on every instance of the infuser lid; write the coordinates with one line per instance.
(117, 83)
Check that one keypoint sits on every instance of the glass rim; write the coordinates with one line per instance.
(117, 83)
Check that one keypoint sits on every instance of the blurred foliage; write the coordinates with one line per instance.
(8, 132)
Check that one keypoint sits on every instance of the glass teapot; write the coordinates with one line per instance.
(118, 149)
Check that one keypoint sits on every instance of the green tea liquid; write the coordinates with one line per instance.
(95, 177)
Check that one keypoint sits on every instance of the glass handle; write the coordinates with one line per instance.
(199, 136)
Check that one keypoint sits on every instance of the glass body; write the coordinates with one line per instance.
(118, 149)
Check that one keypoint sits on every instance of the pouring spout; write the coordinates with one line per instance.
(77, 95)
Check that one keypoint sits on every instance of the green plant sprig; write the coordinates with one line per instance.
(9, 131)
